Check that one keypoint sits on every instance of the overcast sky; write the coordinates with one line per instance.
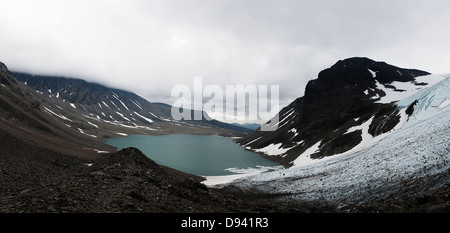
(150, 46)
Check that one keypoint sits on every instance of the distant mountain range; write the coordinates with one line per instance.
(252, 126)
(104, 107)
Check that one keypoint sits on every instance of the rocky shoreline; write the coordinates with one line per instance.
(124, 182)
(39, 181)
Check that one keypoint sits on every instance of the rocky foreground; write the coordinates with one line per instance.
(34, 180)
(123, 182)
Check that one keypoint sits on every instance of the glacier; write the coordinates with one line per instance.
(416, 153)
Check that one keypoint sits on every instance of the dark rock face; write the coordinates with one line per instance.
(386, 118)
(5, 76)
(355, 71)
(342, 96)
(339, 144)
(410, 109)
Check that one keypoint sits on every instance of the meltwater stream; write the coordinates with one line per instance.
(198, 155)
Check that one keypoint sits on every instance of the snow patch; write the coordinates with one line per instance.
(137, 104)
(374, 73)
(364, 127)
(114, 104)
(90, 135)
(96, 126)
(105, 104)
(117, 97)
(120, 114)
(98, 151)
(305, 157)
(273, 149)
(241, 173)
(143, 117)
(58, 115)
(406, 89)
(252, 141)
(101, 151)
(293, 130)
(220, 180)
(153, 115)
(73, 105)
(286, 115)
(129, 126)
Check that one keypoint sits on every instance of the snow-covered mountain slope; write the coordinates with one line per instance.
(414, 158)
(349, 107)
(98, 111)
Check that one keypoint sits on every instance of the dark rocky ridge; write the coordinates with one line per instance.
(120, 107)
(4, 75)
(342, 93)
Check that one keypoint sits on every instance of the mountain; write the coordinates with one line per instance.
(110, 112)
(248, 125)
(405, 169)
(349, 107)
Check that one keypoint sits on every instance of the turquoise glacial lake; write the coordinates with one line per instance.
(195, 154)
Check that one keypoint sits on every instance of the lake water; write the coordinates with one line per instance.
(198, 155)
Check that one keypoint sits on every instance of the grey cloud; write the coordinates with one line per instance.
(150, 46)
